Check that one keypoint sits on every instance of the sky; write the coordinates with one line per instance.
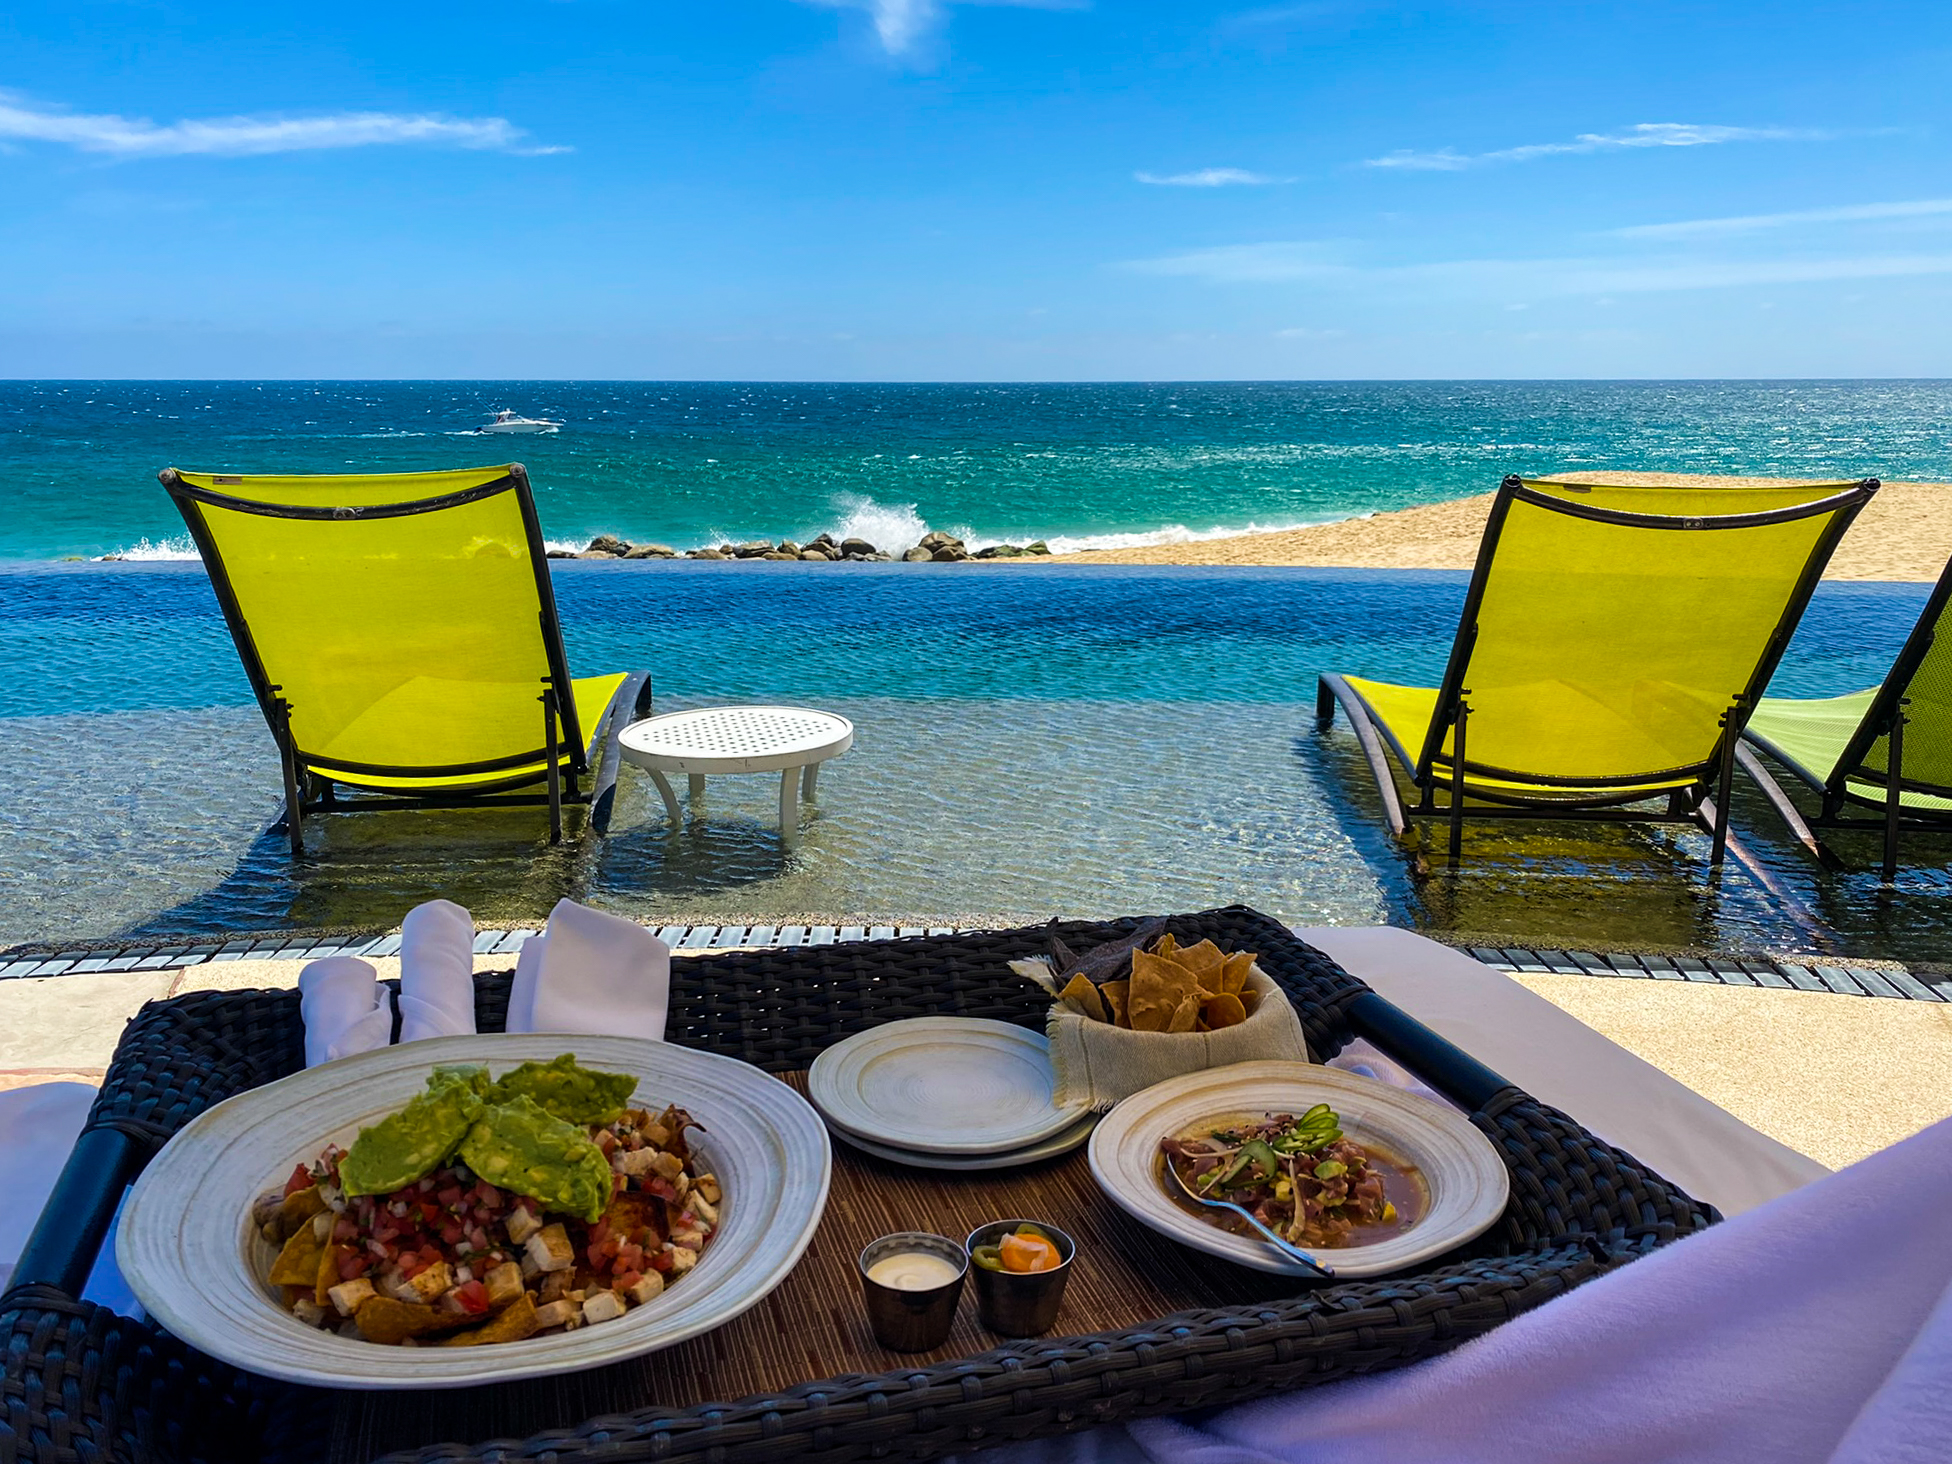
(974, 189)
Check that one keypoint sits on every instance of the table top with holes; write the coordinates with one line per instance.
(735, 739)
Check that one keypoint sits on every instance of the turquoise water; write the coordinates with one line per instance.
(1032, 741)
(1077, 465)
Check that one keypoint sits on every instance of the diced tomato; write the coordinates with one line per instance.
(428, 1255)
(451, 1196)
(486, 1194)
(352, 1264)
(471, 1297)
(662, 1188)
(661, 1261)
(452, 1232)
(411, 1265)
(429, 1212)
(628, 1279)
(344, 1229)
(630, 1257)
(478, 1238)
(301, 1179)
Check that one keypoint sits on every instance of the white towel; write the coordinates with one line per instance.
(436, 971)
(344, 1008)
(591, 972)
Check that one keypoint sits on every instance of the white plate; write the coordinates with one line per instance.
(942, 1085)
(1466, 1181)
(1062, 1143)
(189, 1251)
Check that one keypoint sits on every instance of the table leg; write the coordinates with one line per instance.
(697, 788)
(670, 798)
(789, 810)
(808, 777)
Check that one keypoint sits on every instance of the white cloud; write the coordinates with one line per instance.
(1209, 178)
(1749, 223)
(1641, 134)
(903, 27)
(138, 137)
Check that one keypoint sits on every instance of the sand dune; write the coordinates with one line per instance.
(1905, 533)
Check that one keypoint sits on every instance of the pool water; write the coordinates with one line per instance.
(1032, 741)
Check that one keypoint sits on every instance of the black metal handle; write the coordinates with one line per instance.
(1440, 1063)
(68, 1236)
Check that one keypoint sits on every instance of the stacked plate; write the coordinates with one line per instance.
(947, 1093)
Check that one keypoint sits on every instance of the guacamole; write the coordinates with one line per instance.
(574, 1094)
(521, 1147)
(414, 1142)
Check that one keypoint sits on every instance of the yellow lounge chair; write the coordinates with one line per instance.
(400, 633)
(1612, 644)
(1888, 748)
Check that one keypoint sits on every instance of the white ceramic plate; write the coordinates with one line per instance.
(189, 1251)
(1466, 1181)
(942, 1085)
(1060, 1143)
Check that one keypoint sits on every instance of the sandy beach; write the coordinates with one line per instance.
(1905, 533)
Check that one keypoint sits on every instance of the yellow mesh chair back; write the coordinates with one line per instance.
(1919, 688)
(399, 630)
(1608, 631)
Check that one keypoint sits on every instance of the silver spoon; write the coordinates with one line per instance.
(1293, 1251)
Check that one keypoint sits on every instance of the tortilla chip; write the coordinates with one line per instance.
(1223, 1011)
(328, 1273)
(1165, 946)
(1084, 996)
(1233, 975)
(1249, 999)
(1202, 959)
(1113, 994)
(511, 1324)
(295, 1294)
(386, 1320)
(298, 1262)
(1187, 1017)
(295, 1209)
(1158, 988)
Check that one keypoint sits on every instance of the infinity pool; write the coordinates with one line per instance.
(1032, 741)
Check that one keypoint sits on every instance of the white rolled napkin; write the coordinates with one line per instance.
(436, 971)
(591, 972)
(344, 1008)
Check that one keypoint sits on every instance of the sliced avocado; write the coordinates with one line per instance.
(412, 1143)
(573, 1093)
(520, 1146)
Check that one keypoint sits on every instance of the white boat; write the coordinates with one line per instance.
(506, 421)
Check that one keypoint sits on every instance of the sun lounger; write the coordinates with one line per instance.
(1888, 749)
(1613, 642)
(400, 634)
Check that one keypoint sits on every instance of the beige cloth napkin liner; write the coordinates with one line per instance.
(1097, 1064)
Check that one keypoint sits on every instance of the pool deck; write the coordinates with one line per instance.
(1837, 1061)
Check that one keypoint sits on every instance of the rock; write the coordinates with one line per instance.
(598, 554)
(936, 539)
(1040, 547)
(706, 554)
(879, 558)
(950, 554)
(752, 548)
(918, 555)
(822, 541)
(562, 553)
(814, 555)
(651, 551)
(774, 554)
(999, 551)
(608, 544)
(789, 548)
(854, 558)
(856, 546)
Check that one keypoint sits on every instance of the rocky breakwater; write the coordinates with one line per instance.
(934, 548)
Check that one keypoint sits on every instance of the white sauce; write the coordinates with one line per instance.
(913, 1271)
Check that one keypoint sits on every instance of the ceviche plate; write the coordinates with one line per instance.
(942, 1085)
(1465, 1183)
(189, 1250)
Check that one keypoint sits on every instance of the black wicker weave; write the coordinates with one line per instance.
(84, 1384)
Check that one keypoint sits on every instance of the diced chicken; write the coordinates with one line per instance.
(522, 1224)
(555, 1286)
(602, 1306)
(688, 1232)
(649, 1285)
(683, 1258)
(637, 1162)
(707, 1185)
(504, 1284)
(347, 1295)
(667, 1166)
(703, 1208)
(655, 1133)
(308, 1311)
(436, 1281)
(322, 1226)
(530, 1270)
(550, 1249)
(555, 1313)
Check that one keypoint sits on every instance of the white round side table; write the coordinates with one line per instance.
(784, 740)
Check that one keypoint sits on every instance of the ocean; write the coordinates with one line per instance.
(1079, 466)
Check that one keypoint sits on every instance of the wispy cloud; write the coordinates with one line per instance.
(138, 137)
(904, 27)
(1750, 223)
(1323, 263)
(1210, 178)
(1641, 134)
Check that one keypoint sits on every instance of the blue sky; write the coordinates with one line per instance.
(926, 189)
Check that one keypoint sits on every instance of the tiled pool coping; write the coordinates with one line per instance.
(1811, 973)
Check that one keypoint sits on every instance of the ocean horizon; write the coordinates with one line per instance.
(1077, 465)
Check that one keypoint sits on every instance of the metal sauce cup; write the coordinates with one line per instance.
(912, 1320)
(1020, 1303)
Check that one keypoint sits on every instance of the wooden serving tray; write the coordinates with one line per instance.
(814, 1325)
